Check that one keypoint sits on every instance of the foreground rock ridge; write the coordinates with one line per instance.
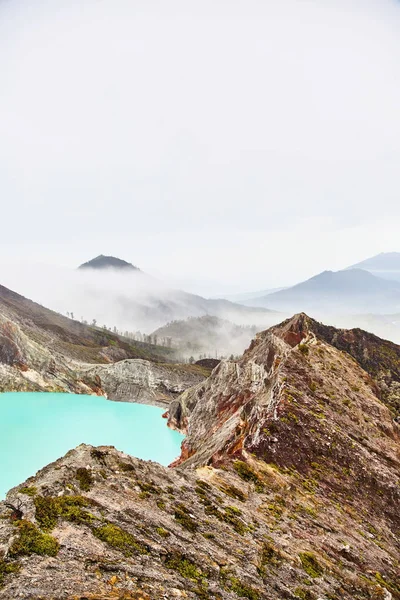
(288, 487)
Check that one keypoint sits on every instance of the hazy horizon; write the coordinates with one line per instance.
(224, 147)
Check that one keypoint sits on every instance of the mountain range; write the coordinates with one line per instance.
(341, 292)
(370, 287)
(386, 265)
(113, 289)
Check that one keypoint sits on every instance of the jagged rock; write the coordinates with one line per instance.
(41, 350)
(288, 487)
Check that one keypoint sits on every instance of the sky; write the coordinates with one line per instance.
(222, 145)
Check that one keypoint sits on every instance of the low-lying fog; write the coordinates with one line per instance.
(137, 303)
(126, 300)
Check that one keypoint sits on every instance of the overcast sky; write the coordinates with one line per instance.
(224, 145)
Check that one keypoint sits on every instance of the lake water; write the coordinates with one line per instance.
(38, 428)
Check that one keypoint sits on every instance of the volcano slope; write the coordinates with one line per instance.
(288, 487)
(41, 350)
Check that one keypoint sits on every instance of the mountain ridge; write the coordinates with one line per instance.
(353, 290)
(41, 350)
(385, 265)
(287, 488)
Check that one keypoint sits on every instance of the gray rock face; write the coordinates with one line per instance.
(138, 531)
(210, 413)
(43, 351)
(145, 382)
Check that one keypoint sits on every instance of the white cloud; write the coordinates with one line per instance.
(204, 140)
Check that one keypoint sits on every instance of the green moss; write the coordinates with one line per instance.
(6, 568)
(84, 478)
(231, 517)
(246, 473)
(233, 492)
(126, 467)
(310, 511)
(232, 510)
(304, 594)
(303, 349)
(149, 488)
(49, 509)
(237, 586)
(202, 493)
(183, 518)
(275, 510)
(310, 564)
(32, 541)
(161, 504)
(184, 566)
(163, 532)
(388, 584)
(46, 512)
(118, 538)
(270, 556)
(29, 491)
(310, 485)
(203, 484)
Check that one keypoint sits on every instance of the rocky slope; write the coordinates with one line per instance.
(288, 487)
(145, 382)
(41, 350)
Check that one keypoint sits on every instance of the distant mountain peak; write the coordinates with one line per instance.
(108, 262)
(382, 261)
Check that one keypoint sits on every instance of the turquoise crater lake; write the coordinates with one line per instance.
(38, 428)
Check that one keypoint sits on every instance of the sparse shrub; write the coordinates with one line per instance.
(84, 478)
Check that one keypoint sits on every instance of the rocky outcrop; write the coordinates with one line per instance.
(288, 487)
(99, 524)
(145, 382)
